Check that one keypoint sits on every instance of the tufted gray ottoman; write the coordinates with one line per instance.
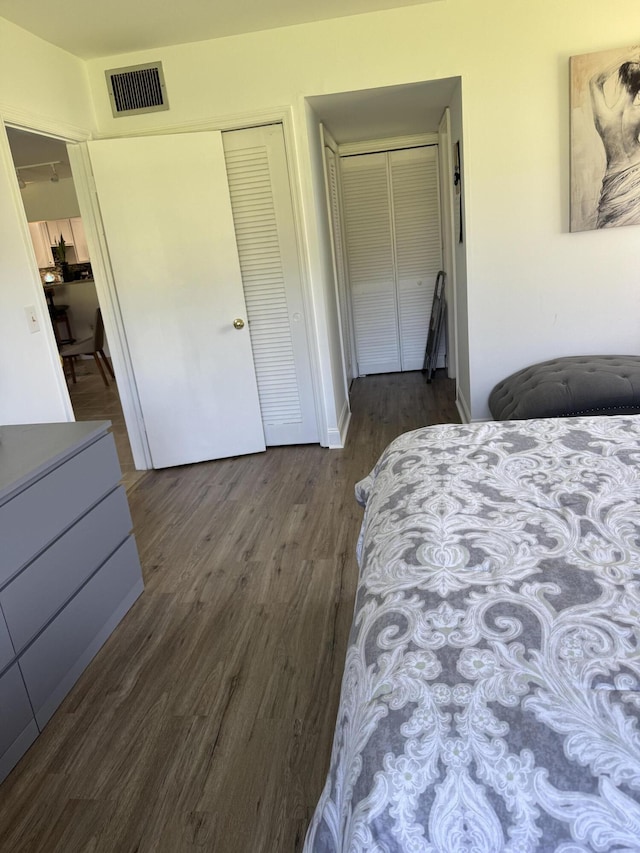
(574, 385)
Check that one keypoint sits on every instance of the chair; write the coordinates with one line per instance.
(59, 317)
(90, 346)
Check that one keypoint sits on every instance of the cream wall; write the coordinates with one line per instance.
(45, 88)
(534, 290)
(41, 83)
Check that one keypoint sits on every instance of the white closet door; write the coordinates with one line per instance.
(368, 232)
(418, 244)
(265, 235)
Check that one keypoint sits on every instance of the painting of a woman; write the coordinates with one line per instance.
(605, 139)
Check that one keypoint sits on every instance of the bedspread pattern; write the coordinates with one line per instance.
(490, 697)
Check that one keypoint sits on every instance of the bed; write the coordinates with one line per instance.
(490, 696)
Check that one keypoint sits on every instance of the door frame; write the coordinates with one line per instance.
(445, 156)
(103, 275)
(342, 287)
(63, 132)
(74, 137)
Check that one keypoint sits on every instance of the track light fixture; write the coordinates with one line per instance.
(54, 177)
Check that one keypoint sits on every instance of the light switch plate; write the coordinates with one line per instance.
(32, 319)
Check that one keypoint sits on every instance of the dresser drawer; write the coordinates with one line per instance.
(38, 592)
(40, 513)
(18, 729)
(7, 652)
(54, 661)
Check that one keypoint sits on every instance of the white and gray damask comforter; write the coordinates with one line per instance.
(491, 691)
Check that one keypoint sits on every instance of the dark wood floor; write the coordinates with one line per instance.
(205, 722)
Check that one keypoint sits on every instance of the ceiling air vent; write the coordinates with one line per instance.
(137, 89)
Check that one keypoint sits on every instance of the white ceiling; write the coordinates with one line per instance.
(388, 111)
(88, 28)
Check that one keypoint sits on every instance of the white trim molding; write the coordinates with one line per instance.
(372, 146)
(345, 421)
(463, 408)
(36, 123)
(233, 121)
(338, 436)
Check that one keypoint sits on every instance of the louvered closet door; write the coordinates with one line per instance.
(418, 244)
(394, 245)
(267, 248)
(368, 234)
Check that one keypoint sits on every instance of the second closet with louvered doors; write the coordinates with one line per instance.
(267, 248)
(394, 251)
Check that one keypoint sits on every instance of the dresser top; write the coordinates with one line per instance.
(30, 450)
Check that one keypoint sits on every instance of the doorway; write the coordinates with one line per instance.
(60, 247)
(369, 122)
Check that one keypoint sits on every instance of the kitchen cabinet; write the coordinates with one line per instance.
(58, 228)
(42, 247)
(46, 234)
(70, 568)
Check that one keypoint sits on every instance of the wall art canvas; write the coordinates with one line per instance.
(605, 139)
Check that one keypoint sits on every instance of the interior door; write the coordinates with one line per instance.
(371, 262)
(415, 199)
(394, 249)
(166, 214)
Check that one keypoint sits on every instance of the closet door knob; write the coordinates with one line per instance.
(238, 324)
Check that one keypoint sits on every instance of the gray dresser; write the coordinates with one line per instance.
(69, 568)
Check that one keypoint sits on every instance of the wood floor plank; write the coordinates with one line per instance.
(205, 723)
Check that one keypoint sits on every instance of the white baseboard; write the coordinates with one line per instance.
(334, 442)
(337, 437)
(463, 409)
